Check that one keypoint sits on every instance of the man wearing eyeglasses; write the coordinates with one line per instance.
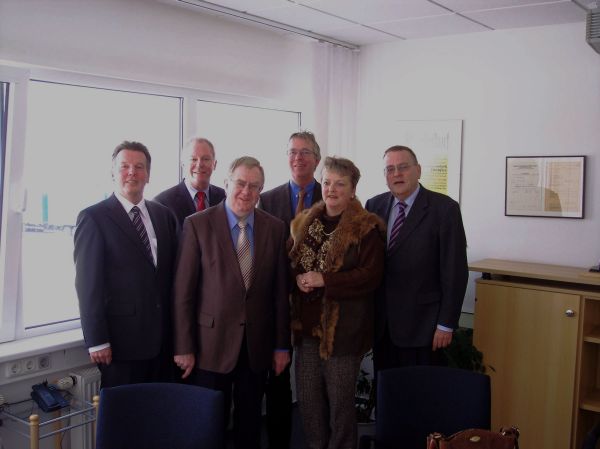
(231, 310)
(284, 202)
(420, 300)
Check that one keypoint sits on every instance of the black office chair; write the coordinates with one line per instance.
(415, 401)
(159, 416)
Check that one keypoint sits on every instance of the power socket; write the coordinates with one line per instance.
(30, 365)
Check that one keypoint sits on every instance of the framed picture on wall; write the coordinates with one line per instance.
(545, 186)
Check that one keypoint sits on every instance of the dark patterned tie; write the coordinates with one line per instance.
(141, 230)
(397, 224)
(243, 253)
(200, 203)
(300, 205)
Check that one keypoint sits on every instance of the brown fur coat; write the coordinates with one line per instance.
(352, 272)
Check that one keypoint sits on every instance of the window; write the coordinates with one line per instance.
(57, 132)
(71, 132)
(248, 131)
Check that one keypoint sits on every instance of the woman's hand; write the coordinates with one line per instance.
(307, 282)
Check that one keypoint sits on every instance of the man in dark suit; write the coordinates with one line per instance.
(302, 191)
(125, 249)
(419, 304)
(194, 193)
(231, 307)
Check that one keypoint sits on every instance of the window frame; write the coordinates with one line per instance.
(15, 197)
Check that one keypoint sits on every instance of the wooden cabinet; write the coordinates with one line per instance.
(538, 327)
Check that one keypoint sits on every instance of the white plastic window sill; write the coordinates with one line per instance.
(27, 347)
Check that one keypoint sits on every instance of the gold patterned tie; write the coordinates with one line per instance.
(243, 253)
(300, 205)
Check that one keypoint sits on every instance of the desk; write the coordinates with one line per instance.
(28, 420)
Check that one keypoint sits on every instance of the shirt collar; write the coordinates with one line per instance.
(411, 198)
(232, 219)
(194, 191)
(128, 205)
(307, 190)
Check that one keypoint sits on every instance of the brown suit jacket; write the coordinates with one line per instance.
(213, 310)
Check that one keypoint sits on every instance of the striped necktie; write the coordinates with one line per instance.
(141, 230)
(397, 224)
(243, 253)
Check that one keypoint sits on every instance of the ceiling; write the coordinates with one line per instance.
(361, 22)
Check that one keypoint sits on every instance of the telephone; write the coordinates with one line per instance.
(48, 397)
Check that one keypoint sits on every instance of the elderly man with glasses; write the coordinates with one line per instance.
(419, 303)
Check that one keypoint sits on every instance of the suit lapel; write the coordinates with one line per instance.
(286, 204)
(160, 229)
(186, 204)
(117, 213)
(260, 242)
(317, 194)
(220, 228)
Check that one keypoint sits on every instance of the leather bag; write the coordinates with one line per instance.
(506, 438)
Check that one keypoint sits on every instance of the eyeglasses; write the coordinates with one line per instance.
(400, 168)
(303, 153)
(241, 185)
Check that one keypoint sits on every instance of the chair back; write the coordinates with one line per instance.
(159, 416)
(413, 402)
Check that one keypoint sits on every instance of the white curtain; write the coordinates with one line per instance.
(336, 84)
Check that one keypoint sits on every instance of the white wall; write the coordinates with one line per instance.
(145, 40)
(529, 91)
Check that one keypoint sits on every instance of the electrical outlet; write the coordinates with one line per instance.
(29, 365)
(23, 367)
(13, 369)
(43, 362)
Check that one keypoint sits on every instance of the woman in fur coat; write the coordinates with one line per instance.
(337, 258)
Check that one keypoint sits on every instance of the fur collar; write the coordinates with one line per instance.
(355, 223)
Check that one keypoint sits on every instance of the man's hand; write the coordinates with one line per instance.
(280, 361)
(102, 356)
(441, 339)
(186, 363)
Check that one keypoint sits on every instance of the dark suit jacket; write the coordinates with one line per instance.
(278, 202)
(123, 298)
(426, 271)
(178, 199)
(212, 309)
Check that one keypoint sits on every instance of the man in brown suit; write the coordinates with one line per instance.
(231, 310)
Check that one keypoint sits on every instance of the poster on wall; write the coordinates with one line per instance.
(550, 186)
(437, 144)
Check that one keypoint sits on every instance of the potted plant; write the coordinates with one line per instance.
(365, 393)
(463, 354)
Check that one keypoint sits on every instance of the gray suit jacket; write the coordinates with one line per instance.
(426, 272)
(212, 309)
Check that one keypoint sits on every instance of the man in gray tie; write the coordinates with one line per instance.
(194, 193)
(418, 306)
(124, 255)
(231, 311)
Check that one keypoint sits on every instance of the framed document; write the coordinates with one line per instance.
(545, 186)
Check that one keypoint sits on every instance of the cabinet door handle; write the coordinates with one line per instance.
(570, 313)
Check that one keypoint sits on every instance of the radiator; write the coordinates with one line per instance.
(87, 385)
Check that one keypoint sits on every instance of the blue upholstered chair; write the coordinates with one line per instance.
(160, 416)
(415, 401)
